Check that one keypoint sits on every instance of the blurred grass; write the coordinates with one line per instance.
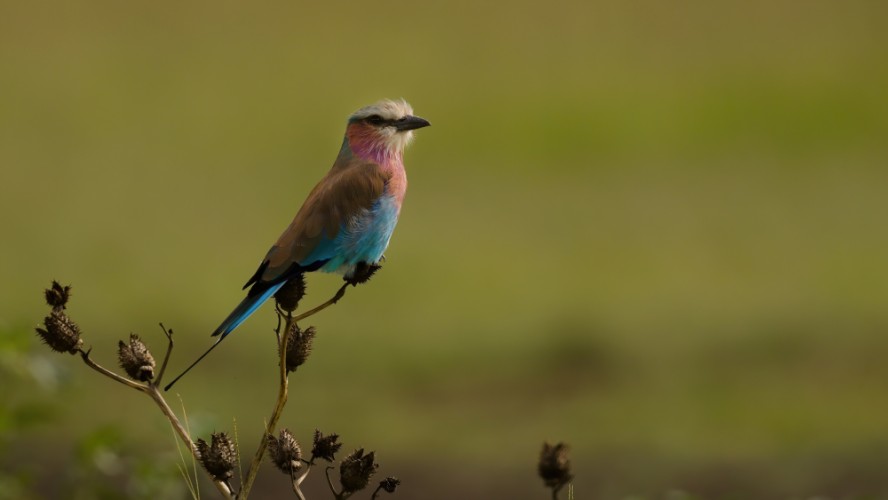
(650, 230)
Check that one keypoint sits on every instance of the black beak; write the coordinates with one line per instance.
(410, 122)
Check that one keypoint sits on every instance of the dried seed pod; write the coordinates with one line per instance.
(325, 447)
(285, 452)
(219, 457)
(389, 484)
(298, 345)
(136, 359)
(554, 465)
(60, 333)
(57, 295)
(355, 471)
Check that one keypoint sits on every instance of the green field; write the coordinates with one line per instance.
(654, 231)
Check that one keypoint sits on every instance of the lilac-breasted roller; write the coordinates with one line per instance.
(348, 218)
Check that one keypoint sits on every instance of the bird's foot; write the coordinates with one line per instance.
(362, 274)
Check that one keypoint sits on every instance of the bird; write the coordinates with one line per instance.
(345, 224)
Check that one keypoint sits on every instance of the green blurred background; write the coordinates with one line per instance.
(654, 230)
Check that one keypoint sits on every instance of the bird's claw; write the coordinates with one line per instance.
(362, 274)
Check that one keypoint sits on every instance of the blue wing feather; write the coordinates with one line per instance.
(243, 310)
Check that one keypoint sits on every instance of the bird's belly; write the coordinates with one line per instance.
(364, 238)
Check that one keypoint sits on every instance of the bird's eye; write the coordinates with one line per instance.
(375, 120)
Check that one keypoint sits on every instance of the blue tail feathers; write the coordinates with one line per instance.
(243, 310)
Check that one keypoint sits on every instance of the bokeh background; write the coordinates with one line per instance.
(653, 230)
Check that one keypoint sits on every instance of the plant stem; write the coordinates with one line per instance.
(275, 414)
(339, 294)
(297, 482)
(336, 494)
(376, 492)
(151, 390)
(108, 373)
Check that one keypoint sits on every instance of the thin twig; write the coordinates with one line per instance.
(166, 357)
(280, 314)
(330, 482)
(108, 373)
(275, 414)
(297, 482)
(339, 294)
(376, 492)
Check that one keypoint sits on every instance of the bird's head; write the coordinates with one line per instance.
(382, 130)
